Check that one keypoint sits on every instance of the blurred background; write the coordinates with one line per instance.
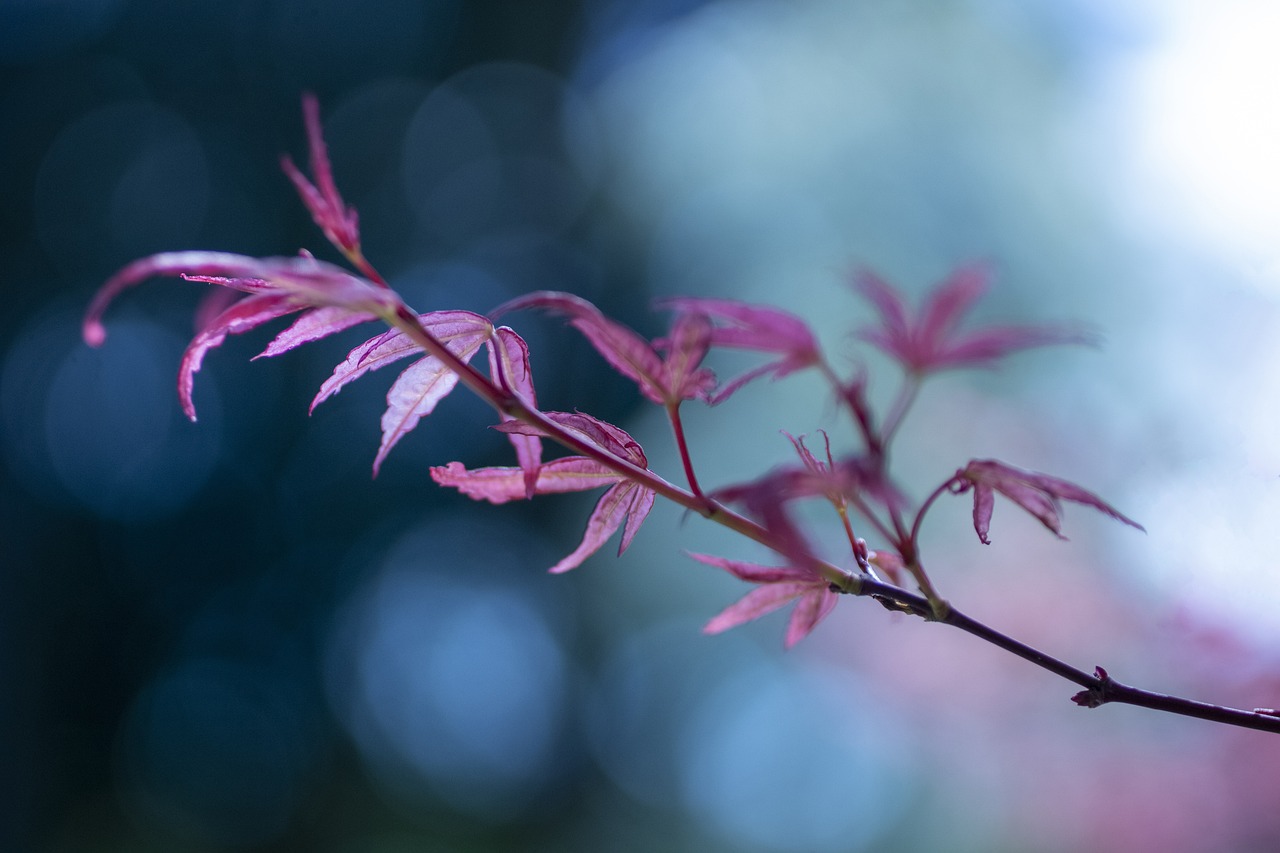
(229, 636)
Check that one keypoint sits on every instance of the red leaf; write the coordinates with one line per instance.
(931, 341)
(1038, 494)
(637, 512)
(336, 219)
(392, 345)
(499, 485)
(418, 390)
(809, 611)
(246, 314)
(753, 327)
(312, 326)
(625, 501)
(312, 283)
(812, 607)
(624, 349)
(609, 438)
(752, 572)
(686, 345)
(509, 367)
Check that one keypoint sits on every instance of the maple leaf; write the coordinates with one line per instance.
(759, 328)
(835, 480)
(1038, 494)
(625, 502)
(685, 346)
(824, 474)
(765, 499)
(424, 383)
(509, 369)
(664, 380)
(931, 340)
(276, 287)
(778, 587)
(336, 219)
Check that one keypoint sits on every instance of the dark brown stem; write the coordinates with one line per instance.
(1100, 688)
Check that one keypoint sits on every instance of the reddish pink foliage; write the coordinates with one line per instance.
(1038, 494)
(509, 368)
(277, 287)
(624, 349)
(753, 327)
(625, 501)
(932, 340)
(778, 587)
(667, 371)
(336, 219)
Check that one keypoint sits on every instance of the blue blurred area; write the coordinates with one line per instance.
(227, 635)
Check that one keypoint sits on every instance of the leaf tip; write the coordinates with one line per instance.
(94, 333)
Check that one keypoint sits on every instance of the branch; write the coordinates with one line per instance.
(1100, 688)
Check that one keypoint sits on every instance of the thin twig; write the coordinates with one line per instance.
(1100, 688)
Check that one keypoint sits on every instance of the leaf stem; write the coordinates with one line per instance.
(677, 427)
(924, 508)
(901, 405)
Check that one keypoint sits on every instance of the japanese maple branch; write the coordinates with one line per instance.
(1098, 690)
(509, 404)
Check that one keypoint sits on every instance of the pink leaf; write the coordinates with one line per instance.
(760, 601)
(1038, 494)
(766, 500)
(625, 501)
(312, 326)
(393, 345)
(754, 327)
(499, 485)
(312, 283)
(946, 306)
(637, 512)
(613, 508)
(752, 572)
(628, 352)
(418, 389)
(212, 303)
(809, 611)
(819, 469)
(379, 351)
(509, 367)
(609, 438)
(336, 219)
(931, 341)
(779, 585)
(889, 302)
(242, 316)
(686, 345)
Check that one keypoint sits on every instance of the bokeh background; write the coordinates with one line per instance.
(229, 636)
